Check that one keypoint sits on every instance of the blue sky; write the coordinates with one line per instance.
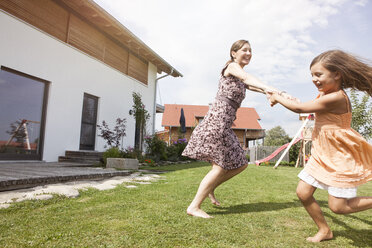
(195, 37)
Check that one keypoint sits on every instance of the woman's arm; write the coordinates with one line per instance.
(326, 103)
(255, 89)
(235, 70)
(252, 82)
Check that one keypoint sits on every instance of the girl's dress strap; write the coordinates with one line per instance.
(347, 101)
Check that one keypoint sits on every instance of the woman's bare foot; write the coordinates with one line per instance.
(197, 212)
(320, 236)
(213, 199)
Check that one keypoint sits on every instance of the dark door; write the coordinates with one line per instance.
(88, 122)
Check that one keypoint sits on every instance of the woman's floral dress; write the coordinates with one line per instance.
(213, 140)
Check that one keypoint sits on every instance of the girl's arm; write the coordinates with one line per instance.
(325, 103)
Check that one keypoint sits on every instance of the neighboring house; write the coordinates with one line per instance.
(246, 125)
(67, 65)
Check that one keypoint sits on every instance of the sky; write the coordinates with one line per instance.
(195, 37)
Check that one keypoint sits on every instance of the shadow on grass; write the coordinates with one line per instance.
(359, 237)
(256, 207)
(175, 167)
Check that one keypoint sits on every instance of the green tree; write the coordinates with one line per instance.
(276, 137)
(362, 114)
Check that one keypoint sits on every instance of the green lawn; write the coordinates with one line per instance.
(259, 209)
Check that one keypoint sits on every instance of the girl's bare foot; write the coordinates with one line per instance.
(213, 199)
(320, 236)
(197, 212)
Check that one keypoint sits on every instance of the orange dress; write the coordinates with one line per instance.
(340, 156)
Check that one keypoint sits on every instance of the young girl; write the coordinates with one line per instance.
(341, 159)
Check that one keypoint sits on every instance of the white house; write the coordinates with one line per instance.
(67, 65)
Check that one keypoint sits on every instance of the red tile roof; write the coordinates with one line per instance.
(246, 118)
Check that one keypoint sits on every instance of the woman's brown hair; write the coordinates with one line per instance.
(237, 45)
(355, 73)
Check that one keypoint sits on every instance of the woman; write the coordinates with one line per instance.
(213, 140)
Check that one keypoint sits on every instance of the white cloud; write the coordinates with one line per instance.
(361, 2)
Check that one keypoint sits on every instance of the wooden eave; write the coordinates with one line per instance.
(106, 23)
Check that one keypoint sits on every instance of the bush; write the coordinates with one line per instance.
(112, 152)
(180, 145)
(130, 152)
(172, 153)
(149, 162)
(282, 163)
(293, 152)
(156, 148)
(114, 137)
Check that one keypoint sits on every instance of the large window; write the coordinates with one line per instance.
(22, 114)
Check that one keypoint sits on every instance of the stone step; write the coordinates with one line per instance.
(12, 184)
(83, 154)
(84, 160)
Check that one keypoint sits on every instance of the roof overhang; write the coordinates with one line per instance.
(106, 23)
(159, 108)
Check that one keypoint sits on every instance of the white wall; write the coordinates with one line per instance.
(71, 73)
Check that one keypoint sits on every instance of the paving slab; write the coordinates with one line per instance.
(30, 174)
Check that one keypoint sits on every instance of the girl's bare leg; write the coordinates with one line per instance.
(206, 186)
(229, 174)
(305, 193)
(348, 206)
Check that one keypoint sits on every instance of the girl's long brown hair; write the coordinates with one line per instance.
(234, 48)
(355, 73)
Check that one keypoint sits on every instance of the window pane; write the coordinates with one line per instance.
(21, 103)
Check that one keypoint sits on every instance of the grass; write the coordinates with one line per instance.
(259, 209)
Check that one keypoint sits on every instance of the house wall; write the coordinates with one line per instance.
(71, 74)
(175, 134)
(56, 19)
(240, 134)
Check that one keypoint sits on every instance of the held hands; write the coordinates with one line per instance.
(273, 97)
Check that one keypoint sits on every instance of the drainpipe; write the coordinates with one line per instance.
(155, 91)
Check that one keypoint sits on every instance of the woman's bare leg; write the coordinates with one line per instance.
(348, 206)
(229, 174)
(206, 186)
(305, 193)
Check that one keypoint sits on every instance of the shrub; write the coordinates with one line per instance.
(114, 137)
(282, 163)
(156, 148)
(172, 153)
(129, 152)
(293, 152)
(180, 145)
(112, 152)
(149, 162)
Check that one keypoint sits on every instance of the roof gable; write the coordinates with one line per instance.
(246, 118)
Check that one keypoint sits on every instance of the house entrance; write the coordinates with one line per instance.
(88, 122)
